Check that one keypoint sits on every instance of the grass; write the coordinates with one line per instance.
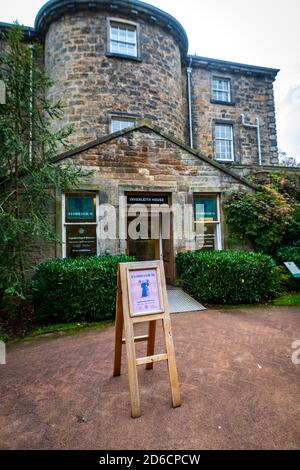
(287, 300)
(66, 329)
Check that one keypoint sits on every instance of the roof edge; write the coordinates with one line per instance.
(144, 123)
(235, 66)
(53, 9)
(29, 32)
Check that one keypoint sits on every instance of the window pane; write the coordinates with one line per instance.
(221, 89)
(80, 207)
(121, 124)
(224, 142)
(81, 240)
(123, 39)
(206, 209)
(208, 238)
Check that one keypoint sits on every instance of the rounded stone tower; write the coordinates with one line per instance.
(113, 62)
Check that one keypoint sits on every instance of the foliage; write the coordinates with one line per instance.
(270, 217)
(80, 289)
(289, 254)
(4, 337)
(287, 160)
(228, 277)
(28, 179)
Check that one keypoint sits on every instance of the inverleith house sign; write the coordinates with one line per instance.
(142, 298)
(146, 200)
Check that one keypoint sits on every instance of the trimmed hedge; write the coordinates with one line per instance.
(228, 277)
(81, 289)
(289, 254)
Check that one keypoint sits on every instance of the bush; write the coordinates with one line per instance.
(228, 277)
(289, 254)
(82, 289)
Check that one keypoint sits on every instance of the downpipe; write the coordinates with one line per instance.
(257, 127)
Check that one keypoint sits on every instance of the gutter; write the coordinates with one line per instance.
(189, 72)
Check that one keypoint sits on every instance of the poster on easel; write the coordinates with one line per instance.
(145, 296)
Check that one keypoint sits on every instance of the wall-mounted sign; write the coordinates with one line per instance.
(80, 207)
(206, 209)
(142, 297)
(293, 268)
(144, 294)
(146, 200)
(81, 240)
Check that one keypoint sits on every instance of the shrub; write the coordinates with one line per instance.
(231, 277)
(79, 289)
(263, 218)
(289, 254)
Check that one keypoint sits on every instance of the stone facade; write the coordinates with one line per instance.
(252, 95)
(94, 85)
(145, 161)
(152, 158)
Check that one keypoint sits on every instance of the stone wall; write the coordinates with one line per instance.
(93, 85)
(145, 161)
(253, 96)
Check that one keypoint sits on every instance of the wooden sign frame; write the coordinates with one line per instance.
(126, 319)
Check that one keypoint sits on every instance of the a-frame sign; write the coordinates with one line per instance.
(142, 297)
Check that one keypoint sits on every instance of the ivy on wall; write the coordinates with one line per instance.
(268, 218)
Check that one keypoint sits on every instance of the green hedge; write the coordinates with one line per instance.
(82, 289)
(289, 254)
(228, 277)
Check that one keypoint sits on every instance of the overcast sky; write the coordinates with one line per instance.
(258, 32)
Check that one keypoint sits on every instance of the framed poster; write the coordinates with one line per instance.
(145, 291)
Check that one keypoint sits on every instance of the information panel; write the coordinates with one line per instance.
(144, 292)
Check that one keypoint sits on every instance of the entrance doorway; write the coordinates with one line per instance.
(156, 239)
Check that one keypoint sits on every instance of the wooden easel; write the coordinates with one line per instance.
(125, 320)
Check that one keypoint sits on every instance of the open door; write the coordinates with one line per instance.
(160, 247)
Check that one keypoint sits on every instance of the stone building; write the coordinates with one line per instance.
(159, 127)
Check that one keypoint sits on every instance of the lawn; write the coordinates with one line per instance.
(288, 300)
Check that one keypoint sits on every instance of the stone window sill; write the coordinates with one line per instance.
(226, 103)
(124, 56)
(226, 162)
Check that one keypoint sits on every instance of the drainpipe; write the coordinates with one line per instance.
(30, 101)
(257, 127)
(189, 80)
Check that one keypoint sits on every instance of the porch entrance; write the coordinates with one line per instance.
(155, 239)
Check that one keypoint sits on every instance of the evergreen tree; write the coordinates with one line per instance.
(28, 178)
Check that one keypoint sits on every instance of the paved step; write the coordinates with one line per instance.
(181, 302)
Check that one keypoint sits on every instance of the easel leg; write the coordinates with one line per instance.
(172, 368)
(118, 338)
(151, 342)
(132, 370)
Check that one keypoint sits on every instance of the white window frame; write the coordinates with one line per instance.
(216, 89)
(216, 223)
(66, 224)
(220, 139)
(121, 118)
(124, 23)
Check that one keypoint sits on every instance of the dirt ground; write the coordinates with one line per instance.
(240, 389)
